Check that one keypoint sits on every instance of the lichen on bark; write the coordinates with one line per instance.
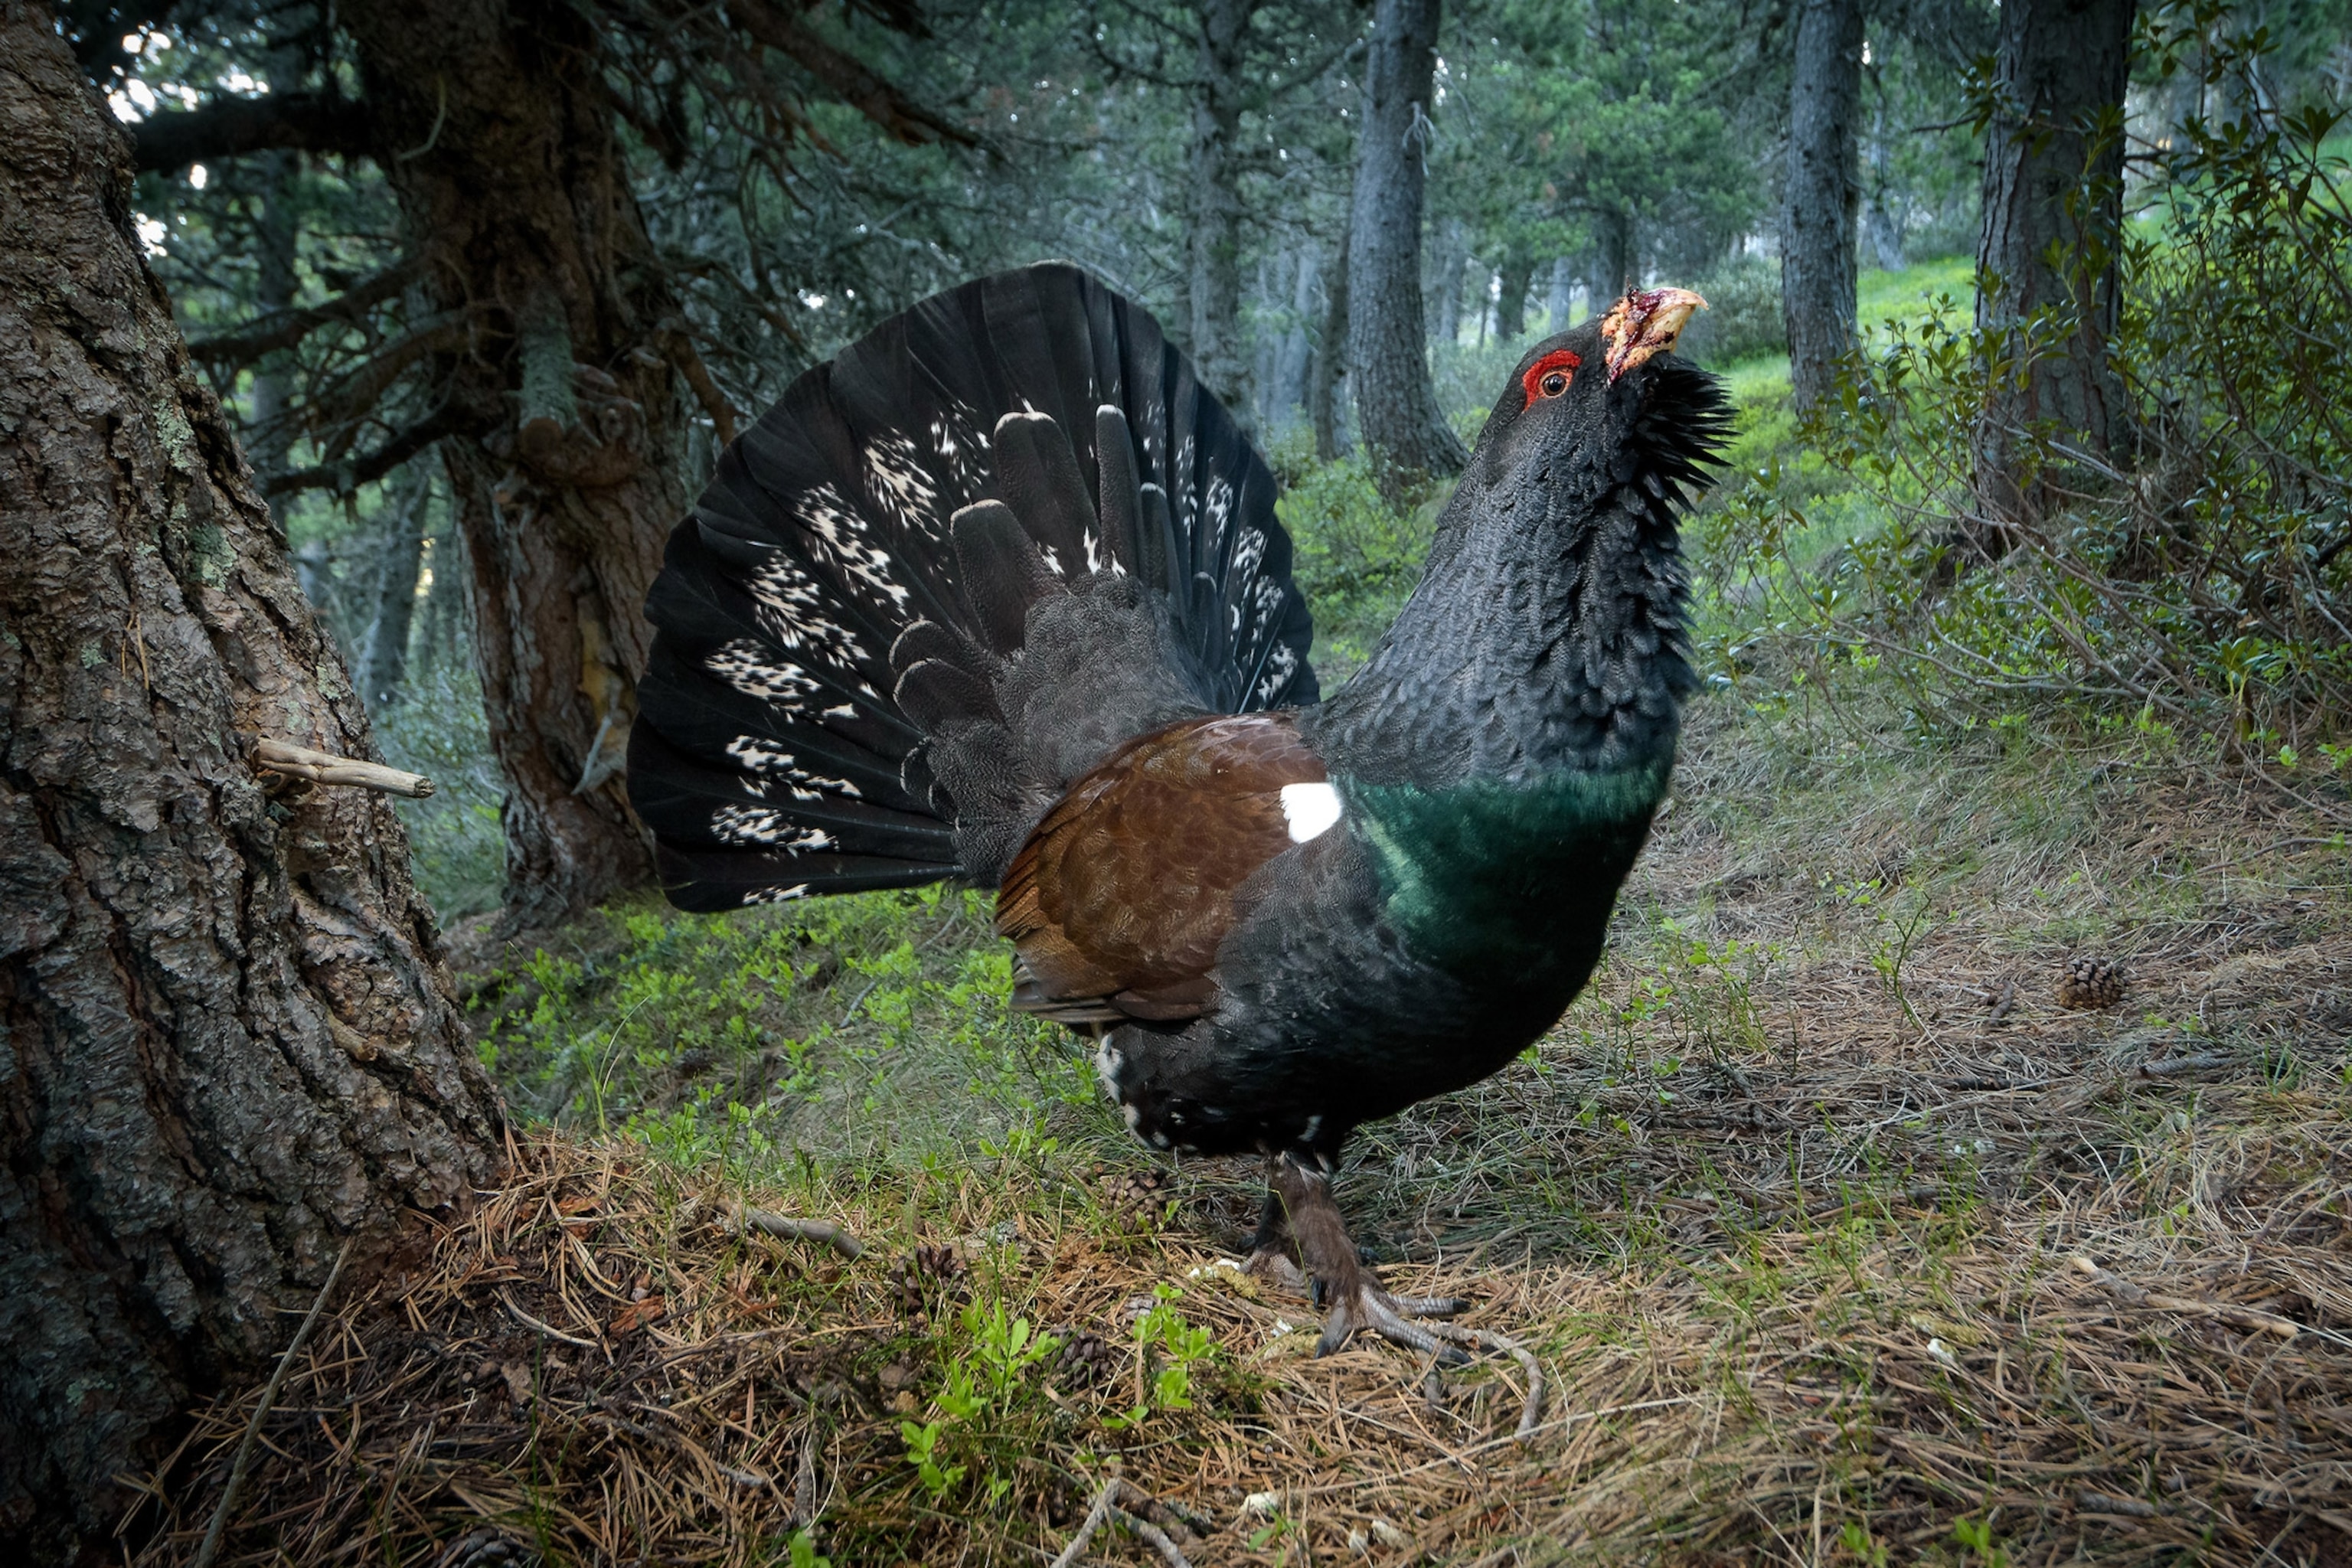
(229, 1043)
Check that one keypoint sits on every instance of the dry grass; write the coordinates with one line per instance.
(1792, 1225)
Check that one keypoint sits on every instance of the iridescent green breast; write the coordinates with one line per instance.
(1488, 879)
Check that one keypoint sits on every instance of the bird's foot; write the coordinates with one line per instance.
(1367, 1306)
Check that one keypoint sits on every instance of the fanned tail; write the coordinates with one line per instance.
(998, 536)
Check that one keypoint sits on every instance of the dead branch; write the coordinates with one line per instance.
(315, 123)
(680, 349)
(211, 1548)
(284, 329)
(1531, 1409)
(348, 476)
(1106, 1507)
(306, 767)
(845, 77)
(825, 1231)
(2124, 1290)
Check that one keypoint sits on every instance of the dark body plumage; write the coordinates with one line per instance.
(1027, 667)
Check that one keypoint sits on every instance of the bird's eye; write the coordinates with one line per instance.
(1549, 376)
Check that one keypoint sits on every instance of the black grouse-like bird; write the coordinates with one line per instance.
(999, 594)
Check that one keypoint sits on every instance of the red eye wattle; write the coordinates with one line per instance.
(1549, 376)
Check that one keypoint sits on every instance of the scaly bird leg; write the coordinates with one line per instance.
(1351, 1292)
(1270, 1255)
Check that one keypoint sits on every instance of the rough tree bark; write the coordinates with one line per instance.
(1329, 365)
(2053, 187)
(501, 146)
(1388, 349)
(229, 1042)
(1821, 196)
(1211, 178)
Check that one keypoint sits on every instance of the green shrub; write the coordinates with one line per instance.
(1742, 319)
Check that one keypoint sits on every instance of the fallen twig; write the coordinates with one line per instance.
(550, 1329)
(307, 766)
(788, 1229)
(1484, 1338)
(1087, 1526)
(1106, 1507)
(211, 1548)
(1153, 1537)
(2126, 1291)
(2196, 1063)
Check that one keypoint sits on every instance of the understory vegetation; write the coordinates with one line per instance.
(1837, 1238)
(1838, 1224)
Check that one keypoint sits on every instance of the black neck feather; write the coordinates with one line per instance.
(1546, 633)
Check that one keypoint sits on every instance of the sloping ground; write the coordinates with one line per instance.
(1837, 1239)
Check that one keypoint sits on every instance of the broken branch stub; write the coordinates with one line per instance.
(300, 764)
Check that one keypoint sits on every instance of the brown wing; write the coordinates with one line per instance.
(1119, 900)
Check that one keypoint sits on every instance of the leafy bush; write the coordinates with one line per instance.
(1742, 319)
(2202, 588)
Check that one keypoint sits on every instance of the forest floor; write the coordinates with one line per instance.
(1833, 1235)
(1834, 1238)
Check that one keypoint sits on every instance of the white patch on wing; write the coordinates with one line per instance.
(1308, 809)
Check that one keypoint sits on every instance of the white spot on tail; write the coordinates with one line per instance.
(1308, 809)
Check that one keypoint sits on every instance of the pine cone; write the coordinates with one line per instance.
(488, 1549)
(1085, 1359)
(926, 1278)
(2090, 984)
(1140, 1191)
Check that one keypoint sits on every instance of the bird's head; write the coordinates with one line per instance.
(1602, 404)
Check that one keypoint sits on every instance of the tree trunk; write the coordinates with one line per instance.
(2052, 185)
(1291, 391)
(1559, 300)
(1821, 196)
(1214, 196)
(383, 657)
(275, 233)
(1330, 362)
(1388, 352)
(510, 176)
(1518, 273)
(1453, 258)
(230, 1045)
(1612, 257)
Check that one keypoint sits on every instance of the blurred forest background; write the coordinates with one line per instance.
(358, 218)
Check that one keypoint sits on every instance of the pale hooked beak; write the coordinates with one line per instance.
(1646, 321)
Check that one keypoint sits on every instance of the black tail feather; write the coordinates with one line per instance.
(850, 585)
